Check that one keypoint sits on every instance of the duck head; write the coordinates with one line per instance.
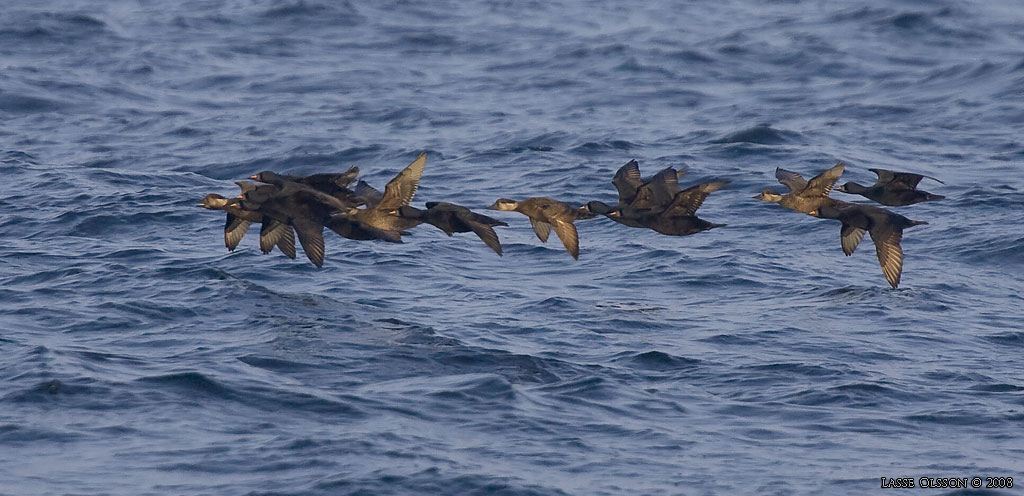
(213, 201)
(769, 196)
(265, 177)
(245, 187)
(504, 204)
(850, 187)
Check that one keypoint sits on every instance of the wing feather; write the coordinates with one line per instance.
(286, 243)
(566, 231)
(270, 234)
(543, 229)
(312, 239)
(627, 180)
(234, 230)
(400, 190)
(486, 234)
(368, 194)
(687, 201)
(890, 253)
(795, 182)
(821, 185)
(850, 237)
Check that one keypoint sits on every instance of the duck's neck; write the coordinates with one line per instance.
(599, 208)
(855, 188)
(409, 212)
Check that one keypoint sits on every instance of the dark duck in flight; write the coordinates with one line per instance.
(452, 218)
(635, 194)
(679, 218)
(892, 188)
(884, 227)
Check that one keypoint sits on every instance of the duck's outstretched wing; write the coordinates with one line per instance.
(687, 201)
(270, 232)
(795, 182)
(890, 254)
(900, 180)
(400, 190)
(370, 195)
(658, 192)
(312, 239)
(626, 181)
(234, 230)
(286, 243)
(566, 231)
(280, 234)
(850, 237)
(543, 229)
(821, 185)
(486, 234)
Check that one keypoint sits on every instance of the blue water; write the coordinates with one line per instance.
(138, 356)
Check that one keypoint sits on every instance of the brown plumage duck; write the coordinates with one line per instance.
(803, 196)
(239, 219)
(398, 193)
(545, 214)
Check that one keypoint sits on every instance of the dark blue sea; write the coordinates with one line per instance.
(139, 357)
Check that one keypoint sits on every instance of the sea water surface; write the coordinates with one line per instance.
(139, 357)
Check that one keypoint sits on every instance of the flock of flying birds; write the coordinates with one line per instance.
(286, 206)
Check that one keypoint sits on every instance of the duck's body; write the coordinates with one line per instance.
(636, 195)
(672, 225)
(885, 227)
(895, 189)
(272, 233)
(679, 218)
(334, 184)
(327, 182)
(803, 196)
(355, 230)
(452, 218)
(305, 212)
(545, 214)
(339, 198)
(398, 193)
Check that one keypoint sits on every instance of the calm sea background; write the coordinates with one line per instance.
(139, 357)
